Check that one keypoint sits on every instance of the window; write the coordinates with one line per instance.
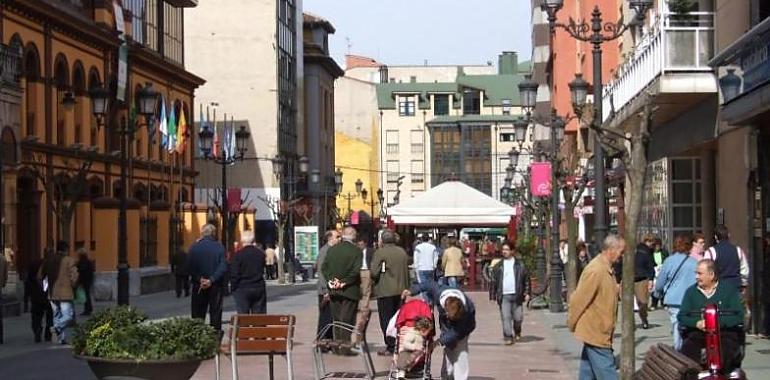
(463, 153)
(507, 137)
(172, 33)
(137, 18)
(441, 104)
(393, 171)
(416, 139)
(151, 25)
(471, 102)
(418, 171)
(391, 142)
(406, 105)
(506, 106)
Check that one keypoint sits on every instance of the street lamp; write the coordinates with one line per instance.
(730, 84)
(285, 175)
(100, 99)
(595, 32)
(372, 202)
(206, 136)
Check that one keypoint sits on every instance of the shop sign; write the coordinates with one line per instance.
(755, 66)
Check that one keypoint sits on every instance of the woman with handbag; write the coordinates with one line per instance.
(676, 276)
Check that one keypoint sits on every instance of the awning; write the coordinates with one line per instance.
(452, 203)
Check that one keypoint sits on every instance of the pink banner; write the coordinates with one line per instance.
(234, 200)
(540, 179)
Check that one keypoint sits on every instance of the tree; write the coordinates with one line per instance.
(280, 210)
(632, 147)
(62, 191)
(232, 216)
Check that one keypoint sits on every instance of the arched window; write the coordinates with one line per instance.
(62, 82)
(95, 187)
(116, 189)
(93, 81)
(140, 192)
(9, 147)
(79, 89)
(31, 91)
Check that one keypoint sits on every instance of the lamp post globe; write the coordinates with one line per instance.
(148, 101)
(579, 92)
(359, 185)
(528, 92)
(99, 102)
(558, 125)
(730, 84)
(315, 176)
(338, 181)
(379, 195)
(553, 5)
(206, 137)
(513, 158)
(304, 163)
(242, 140)
(520, 126)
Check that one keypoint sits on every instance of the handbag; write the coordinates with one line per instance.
(80, 295)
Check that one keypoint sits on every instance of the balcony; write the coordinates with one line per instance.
(670, 61)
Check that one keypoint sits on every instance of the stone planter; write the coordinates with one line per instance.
(144, 370)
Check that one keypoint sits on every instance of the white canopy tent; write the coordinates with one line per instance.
(452, 203)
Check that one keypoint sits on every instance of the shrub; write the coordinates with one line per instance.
(125, 333)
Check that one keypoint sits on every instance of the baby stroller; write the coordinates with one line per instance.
(400, 326)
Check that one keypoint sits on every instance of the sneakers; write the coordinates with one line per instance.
(508, 341)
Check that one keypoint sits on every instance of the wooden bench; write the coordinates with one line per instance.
(662, 362)
(267, 335)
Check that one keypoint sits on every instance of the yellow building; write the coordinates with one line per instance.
(66, 50)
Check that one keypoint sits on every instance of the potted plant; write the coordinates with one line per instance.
(121, 342)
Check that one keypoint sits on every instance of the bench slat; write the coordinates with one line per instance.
(271, 332)
(263, 320)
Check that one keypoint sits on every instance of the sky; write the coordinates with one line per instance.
(400, 32)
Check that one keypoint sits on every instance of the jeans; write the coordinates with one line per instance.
(63, 318)
(455, 365)
(251, 300)
(426, 276)
(453, 282)
(672, 313)
(597, 363)
(512, 314)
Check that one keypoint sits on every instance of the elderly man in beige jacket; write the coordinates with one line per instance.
(593, 309)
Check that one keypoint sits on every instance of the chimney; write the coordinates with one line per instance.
(384, 74)
(507, 63)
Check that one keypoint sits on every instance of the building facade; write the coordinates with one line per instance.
(60, 177)
(742, 139)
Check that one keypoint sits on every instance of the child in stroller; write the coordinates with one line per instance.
(414, 328)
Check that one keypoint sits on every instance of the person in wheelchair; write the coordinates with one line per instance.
(708, 290)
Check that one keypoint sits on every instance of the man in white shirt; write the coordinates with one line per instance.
(511, 284)
(425, 259)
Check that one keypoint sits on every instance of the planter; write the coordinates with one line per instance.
(144, 370)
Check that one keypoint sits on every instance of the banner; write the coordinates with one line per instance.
(234, 200)
(540, 179)
(306, 243)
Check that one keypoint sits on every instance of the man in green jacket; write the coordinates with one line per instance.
(390, 274)
(709, 291)
(341, 269)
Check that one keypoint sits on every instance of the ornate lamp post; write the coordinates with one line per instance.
(597, 32)
(100, 107)
(373, 202)
(350, 196)
(206, 136)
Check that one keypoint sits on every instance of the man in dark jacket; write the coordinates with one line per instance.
(247, 277)
(341, 269)
(181, 273)
(390, 274)
(511, 284)
(324, 310)
(644, 269)
(39, 306)
(457, 319)
(86, 269)
(206, 263)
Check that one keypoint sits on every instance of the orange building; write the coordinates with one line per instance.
(58, 160)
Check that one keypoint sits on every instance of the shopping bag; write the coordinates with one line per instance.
(80, 295)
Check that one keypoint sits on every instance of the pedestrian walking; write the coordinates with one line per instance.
(698, 246)
(644, 270)
(425, 259)
(390, 274)
(593, 309)
(363, 313)
(181, 272)
(457, 318)
(3, 280)
(511, 284)
(206, 262)
(676, 275)
(659, 254)
(732, 265)
(270, 262)
(452, 263)
(247, 278)
(39, 306)
(324, 300)
(86, 270)
(342, 271)
(583, 257)
(59, 274)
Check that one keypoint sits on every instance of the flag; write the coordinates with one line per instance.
(181, 133)
(202, 125)
(231, 140)
(163, 124)
(215, 145)
(172, 130)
